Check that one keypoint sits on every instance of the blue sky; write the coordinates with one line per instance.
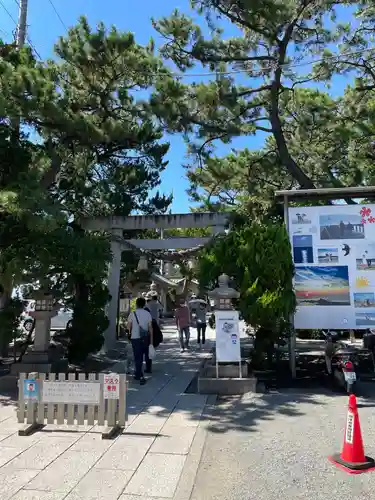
(44, 27)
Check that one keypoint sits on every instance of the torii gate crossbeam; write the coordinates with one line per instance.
(117, 225)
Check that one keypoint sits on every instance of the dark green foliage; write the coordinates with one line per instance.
(89, 323)
(258, 258)
(95, 150)
(9, 322)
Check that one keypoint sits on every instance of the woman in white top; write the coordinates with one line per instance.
(140, 328)
(364, 260)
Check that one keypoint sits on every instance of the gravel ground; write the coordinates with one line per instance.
(268, 447)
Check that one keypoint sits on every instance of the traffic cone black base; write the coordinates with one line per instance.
(353, 468)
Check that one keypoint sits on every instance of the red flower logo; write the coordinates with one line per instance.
(365, 212)
(366, 216)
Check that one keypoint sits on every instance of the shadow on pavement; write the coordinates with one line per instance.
(8, 391)
(243, 413)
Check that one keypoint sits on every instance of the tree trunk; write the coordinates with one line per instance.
(81, 286)
(4, 343)
(277, 130)
(286, 159)
(81, 291)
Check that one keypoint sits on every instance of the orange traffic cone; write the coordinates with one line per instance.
(352, 458)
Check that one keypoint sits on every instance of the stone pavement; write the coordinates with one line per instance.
(156, 457)
(276, 446)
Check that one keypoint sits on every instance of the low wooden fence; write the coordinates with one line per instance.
(64, 399)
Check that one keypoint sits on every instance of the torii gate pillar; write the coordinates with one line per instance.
(114, 270)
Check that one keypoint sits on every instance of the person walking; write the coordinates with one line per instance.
(201, 314)
(182, 316)
(140, 328)
(155, 307)
(157, 333)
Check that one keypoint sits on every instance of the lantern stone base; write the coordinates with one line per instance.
(229, 381)
(41, 362)
(226, 386)
(226, 371)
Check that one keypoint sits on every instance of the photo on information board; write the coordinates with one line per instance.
(341, 227)
(322, 286)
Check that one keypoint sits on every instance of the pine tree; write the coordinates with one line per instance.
(94, 150)
(256, 71)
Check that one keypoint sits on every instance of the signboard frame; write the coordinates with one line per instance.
(71, 392)
(333, 249)
(287, 196)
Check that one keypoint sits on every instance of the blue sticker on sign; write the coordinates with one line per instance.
(31, 390)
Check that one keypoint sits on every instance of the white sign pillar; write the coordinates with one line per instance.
(228, 348)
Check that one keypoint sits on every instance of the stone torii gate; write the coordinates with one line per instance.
(116, 227)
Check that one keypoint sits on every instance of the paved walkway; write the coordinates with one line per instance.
(156, 457)
(276, 446)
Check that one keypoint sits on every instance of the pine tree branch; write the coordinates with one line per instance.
(239, 21)
(246, 93)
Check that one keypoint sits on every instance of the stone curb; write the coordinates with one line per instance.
(189, 472)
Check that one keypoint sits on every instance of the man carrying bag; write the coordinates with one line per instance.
(141, 334)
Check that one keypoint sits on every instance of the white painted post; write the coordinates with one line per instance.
(122, 412)
(32, 409)
(21, 400)
(91, 408)
(31, 405)
(292, 338)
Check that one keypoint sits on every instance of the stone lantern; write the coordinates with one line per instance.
(45, 310)
(232, 375)
(168, 269)
(227, 345)
(125, 298)
(153, 290)
(223, 294)
(37, 357)
(142, 263)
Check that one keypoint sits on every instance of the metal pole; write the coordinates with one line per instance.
(292, 339)
(21, 28)
(20, 40)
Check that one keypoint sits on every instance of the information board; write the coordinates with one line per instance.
(334, 255)
(71, 392)
(228, 348)
(111, 386)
